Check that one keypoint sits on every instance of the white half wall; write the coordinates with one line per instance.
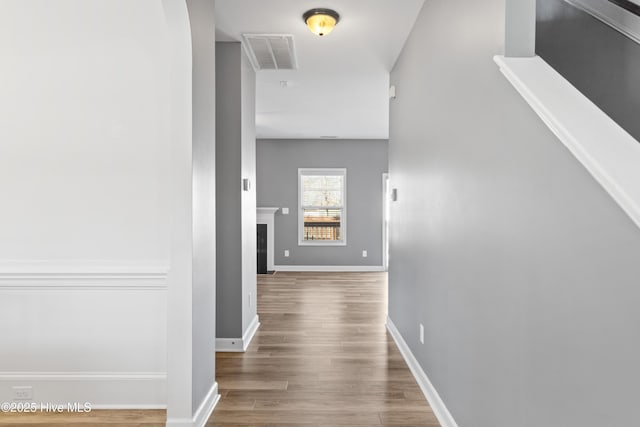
(67, 342)
(84, 224)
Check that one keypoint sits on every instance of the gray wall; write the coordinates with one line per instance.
(228, 220)
(522, 269)
(202, 19)
(365, 160)
(520, 28)
(236, 210)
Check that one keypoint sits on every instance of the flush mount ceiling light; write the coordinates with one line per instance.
(321, 21)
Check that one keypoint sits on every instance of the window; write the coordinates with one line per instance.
(322, 207)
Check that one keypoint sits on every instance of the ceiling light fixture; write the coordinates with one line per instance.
(321, 21)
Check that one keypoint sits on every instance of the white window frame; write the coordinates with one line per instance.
(343, 220)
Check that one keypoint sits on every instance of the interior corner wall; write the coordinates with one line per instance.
(365, 161)
(84, 240)
(520, 28)
(520, 266)
(228, 190)
(248, 198)
(236, 209)
(180, 289)
(202, 24)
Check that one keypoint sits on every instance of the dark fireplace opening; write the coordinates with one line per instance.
(262, 249)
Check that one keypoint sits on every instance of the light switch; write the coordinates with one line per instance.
(285, 211)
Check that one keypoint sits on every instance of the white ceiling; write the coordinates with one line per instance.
(340, 88)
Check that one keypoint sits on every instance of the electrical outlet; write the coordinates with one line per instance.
(421, 334)
(392, 92)
(22, 392)
(286, 252)
(364, 254)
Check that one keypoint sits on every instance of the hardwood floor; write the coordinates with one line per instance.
(129, 418)
(321, 357)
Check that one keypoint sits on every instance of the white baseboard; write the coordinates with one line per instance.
(206, 407)
(229, 345)
(250, 333)
(238, 345)
(430, 393)
(103, 390)
(329, 268)
(203, 413)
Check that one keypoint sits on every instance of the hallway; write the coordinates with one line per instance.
(322, 356)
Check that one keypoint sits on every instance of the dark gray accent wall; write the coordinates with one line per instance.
(228, 197)
(235, 208)
(597, 59)
(366, 160)
(522, 269)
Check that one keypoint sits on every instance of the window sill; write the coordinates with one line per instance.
(330, 244)
(608, 152)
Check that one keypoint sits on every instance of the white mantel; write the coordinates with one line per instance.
(267, 216)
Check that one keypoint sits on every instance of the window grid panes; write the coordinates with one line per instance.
(322, 224)
(322, 206)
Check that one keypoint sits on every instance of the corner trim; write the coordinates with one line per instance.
(330, 268)
(604, 148)
(203, 413)
(430, 393)
(238, 345)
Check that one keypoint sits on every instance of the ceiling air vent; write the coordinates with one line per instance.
(271, 51)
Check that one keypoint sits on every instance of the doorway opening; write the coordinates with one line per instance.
(386, 197)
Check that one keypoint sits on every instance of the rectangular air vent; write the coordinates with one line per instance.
(271, 51)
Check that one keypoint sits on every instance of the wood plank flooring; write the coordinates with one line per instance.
(129, 418)
(321, 357)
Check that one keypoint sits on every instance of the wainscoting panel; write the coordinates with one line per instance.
(84, 332)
